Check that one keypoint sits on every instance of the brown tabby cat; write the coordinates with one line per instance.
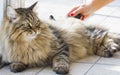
(26, 41)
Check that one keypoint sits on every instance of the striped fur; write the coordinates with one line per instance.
(26, 41)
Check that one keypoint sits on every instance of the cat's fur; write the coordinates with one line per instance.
(26, 41)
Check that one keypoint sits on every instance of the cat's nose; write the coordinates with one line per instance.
(34, 29)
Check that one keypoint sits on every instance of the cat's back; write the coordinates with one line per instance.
(73, 32)
(67, 23)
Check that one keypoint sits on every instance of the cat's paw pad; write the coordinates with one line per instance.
(17, 67)
(61, 68)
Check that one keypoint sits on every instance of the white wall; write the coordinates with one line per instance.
(1, 10)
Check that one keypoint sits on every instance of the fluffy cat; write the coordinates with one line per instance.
(26, 41)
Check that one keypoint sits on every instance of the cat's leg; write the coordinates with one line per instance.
(17, 67)
(108, 48)
(0, 58)
(2, 64)
(61, 62)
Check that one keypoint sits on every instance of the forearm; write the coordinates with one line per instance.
(97, 4)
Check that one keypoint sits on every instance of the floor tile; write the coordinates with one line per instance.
(95, 19)
(106, 11)
(76, 69)
(89, 59)
(79, 68)
(32, 71)
(116, 12)
(115, 3)
(47, 71)
(115, 60)
(104, 70)
(113, 24)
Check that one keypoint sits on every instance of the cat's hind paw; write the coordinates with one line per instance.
(109, 50)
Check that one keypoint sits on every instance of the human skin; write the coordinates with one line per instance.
(88, 9)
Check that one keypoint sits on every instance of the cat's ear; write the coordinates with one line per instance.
(32, 6)
(11, 14)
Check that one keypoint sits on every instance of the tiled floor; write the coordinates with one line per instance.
(108, 16)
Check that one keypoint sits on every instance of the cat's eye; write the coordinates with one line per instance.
(27, 26)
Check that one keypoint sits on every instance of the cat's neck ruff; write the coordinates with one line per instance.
(31, 37)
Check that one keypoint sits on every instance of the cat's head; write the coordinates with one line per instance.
(24, 21)
(14, 15)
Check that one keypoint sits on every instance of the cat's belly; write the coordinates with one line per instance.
(79, 51)
(79, 45)
(28, 56)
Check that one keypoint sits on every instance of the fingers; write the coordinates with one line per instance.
(76, 11)
(70, 12)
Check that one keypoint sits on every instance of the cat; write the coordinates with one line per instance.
(27, 41)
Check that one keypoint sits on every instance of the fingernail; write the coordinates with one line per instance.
(71, 14)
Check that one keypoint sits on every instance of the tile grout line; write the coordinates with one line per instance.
(97, 63)
(108, 15)
(108, 64)
(92, 66)
(40, 70)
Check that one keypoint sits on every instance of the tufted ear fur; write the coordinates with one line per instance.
(51, 17)
(32, 6)
(11, 14)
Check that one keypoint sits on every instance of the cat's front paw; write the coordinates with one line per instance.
(61, 67)
(17, 67)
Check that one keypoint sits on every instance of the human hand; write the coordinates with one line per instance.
(88, 9)
(84, 10)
